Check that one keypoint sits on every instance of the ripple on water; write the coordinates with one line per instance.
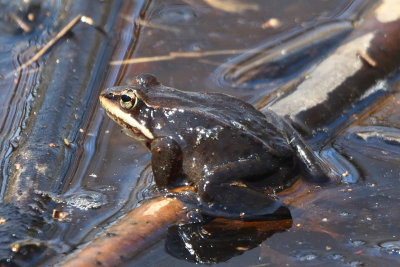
(391, 247)
(307, 257)
(357, 243)
(174, 14)
(86, 200)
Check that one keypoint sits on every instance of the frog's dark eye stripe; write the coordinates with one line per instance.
(110, 95)
(128, 99)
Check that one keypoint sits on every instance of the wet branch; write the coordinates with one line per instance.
(60, 34)
(139, 229)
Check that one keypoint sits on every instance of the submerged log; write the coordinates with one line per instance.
(349, 76)
(56, 103)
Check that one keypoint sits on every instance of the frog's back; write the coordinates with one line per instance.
(244, 117)
(227, 110)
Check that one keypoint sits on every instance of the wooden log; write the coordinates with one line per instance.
(139, 229)
(347, 77)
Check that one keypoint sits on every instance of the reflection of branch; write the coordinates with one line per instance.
(261, 226)
(137, 230)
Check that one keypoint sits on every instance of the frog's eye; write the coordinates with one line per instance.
(128, 99)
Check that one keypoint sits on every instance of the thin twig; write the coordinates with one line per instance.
(175, 55)
(25, 27)
(151, 25)
(232, 6)
(370, 61)
(59, 35)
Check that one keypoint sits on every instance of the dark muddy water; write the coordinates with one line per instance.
(105, 173)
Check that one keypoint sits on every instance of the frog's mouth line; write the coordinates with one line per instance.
(125, 119)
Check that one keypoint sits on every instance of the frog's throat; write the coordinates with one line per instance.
(120, 116)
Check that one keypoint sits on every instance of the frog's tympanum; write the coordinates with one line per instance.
(234, 155)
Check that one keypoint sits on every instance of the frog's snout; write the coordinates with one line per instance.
(109, 95)
(106, 97)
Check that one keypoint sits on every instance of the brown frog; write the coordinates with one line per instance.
(224, 147)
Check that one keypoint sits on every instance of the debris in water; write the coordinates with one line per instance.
(271, 23)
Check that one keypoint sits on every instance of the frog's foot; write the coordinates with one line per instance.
(234, 201)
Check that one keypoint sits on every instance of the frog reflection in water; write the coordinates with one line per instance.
(229, 151)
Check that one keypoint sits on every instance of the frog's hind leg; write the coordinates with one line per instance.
(311, 166)
(222, 195)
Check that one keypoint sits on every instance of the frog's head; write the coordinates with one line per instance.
(147, 109)
(127, 105)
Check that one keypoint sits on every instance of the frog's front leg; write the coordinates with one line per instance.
(166, 160)
(234, 197)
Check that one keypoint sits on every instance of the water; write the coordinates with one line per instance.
(107, 173)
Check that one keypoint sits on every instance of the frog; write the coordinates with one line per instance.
(234, 156)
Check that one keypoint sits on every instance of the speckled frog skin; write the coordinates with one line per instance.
(229, 151)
